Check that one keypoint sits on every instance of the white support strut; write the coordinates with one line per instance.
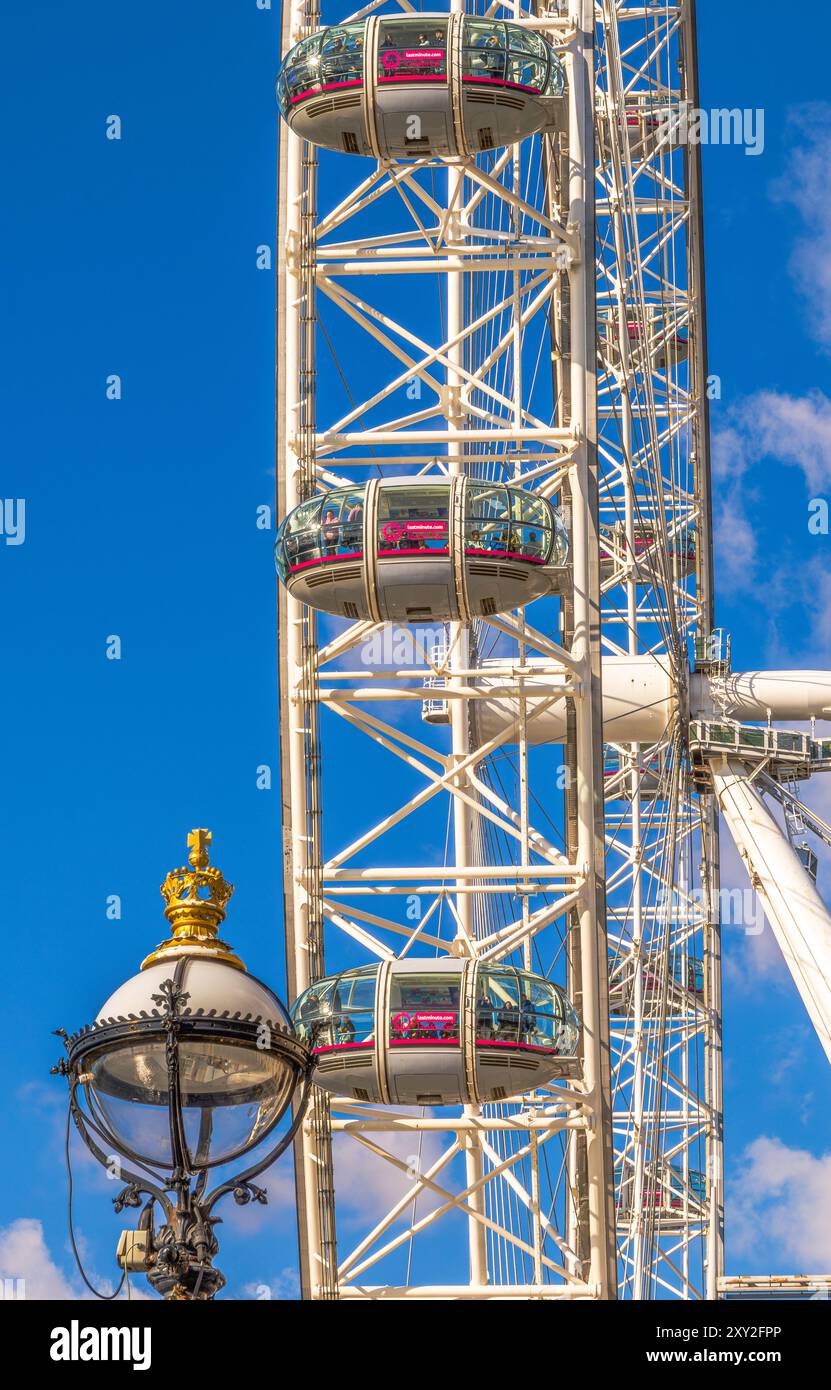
(798, 917)
(524, 312)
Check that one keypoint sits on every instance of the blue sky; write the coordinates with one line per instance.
(768, 301)
(139, 257)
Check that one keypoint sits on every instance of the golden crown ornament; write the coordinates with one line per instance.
(196, 899)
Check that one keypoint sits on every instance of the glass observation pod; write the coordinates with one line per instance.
(686, 981)
(420, 85)
(649, 120)
(410, 550)
(667, 343)
(614, 550)
(436, 1032)
(673, 1193)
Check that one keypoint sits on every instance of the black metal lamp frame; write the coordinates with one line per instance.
(180, 1252)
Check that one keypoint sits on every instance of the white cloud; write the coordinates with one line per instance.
(734, 536)
(792, 430)
(24, 1255)
(285, 1285)
(781, 1196)
(729, 454)
(795, 432)
(368, 1186)
(788, 1050)
(805, 187)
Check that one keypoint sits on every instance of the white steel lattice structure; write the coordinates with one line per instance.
(509, 786)
(662, 841)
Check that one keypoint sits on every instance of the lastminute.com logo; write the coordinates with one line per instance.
(77, 1343)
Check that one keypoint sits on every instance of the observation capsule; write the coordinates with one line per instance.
(685, 985)
(410, 550)
(669, 1194)
(649, 120)
(420, 85)
(436, 1032)
(616, 553)
(658, 343)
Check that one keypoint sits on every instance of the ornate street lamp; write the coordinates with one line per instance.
(188, 1065)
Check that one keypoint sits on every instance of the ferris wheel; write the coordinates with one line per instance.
(508, 722)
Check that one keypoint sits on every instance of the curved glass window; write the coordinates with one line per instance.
(330, 527)
(556, 81)
(342, 55)
(697, 1183)
(529, 508)
(670, 1191)
(487, 519)
(342, 522)
(525, 71)
(412, 50)
(657, 328)
(413, 519)
(514, 1006)
(677, 1187)
(298, 540)
(425, 1009)
(531, 529)
(614, 546)
(513, 523)
(689, 973)
(300, 72)
(611, 760)
(684, 545)
(662, 337)
(526, 41)
(607, 536)
(493, 51)
(331, 58)
(484, 50)
(338, 1011)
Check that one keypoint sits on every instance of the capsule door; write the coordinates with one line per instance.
(413, 565)
(423, 1018)
(410, 90)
